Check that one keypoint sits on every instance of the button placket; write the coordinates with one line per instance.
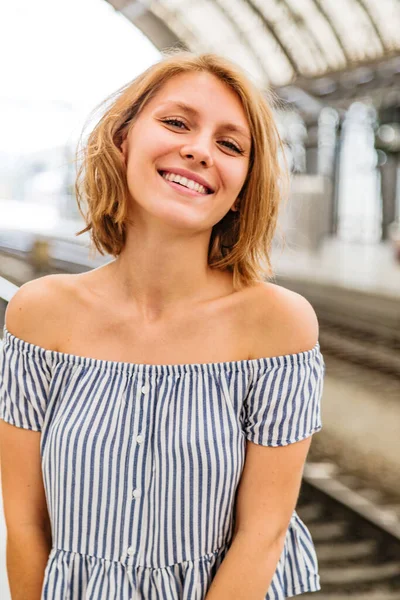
(140, 437)
(145, 388)
(136, 493)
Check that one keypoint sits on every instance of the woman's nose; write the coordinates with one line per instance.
(198, 152)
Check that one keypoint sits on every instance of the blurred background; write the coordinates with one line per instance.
(335, 68)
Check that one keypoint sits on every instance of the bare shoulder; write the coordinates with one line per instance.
(39, 307)
(283, 322)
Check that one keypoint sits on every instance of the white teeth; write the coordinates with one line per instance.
(189, 183)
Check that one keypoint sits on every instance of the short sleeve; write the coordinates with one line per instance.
(24, 383)
(283, 404)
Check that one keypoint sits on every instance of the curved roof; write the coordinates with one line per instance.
(279, 42)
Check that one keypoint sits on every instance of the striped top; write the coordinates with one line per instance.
(141, 464)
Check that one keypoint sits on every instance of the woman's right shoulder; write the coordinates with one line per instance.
(39, 309)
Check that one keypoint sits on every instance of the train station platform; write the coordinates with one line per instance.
(371, 269)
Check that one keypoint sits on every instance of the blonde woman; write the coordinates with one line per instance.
(157, 411)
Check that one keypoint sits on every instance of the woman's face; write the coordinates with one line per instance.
(195, 127)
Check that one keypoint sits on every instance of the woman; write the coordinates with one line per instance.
(172, 393)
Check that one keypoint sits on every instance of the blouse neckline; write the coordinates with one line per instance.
(36, 351)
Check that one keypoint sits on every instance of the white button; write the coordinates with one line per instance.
(131, 551)
(170, 378)
(136, 493)
(145, 388)
(139, 439)
(154, 468)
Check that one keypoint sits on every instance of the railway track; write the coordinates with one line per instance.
(361, 328)
(356, 532)
(371, 351)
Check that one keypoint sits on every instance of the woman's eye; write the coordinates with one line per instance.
(174, 122)
(232, 146)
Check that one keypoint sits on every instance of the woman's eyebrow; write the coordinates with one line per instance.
(189, 109)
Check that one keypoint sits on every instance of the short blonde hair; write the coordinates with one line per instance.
(241, 241)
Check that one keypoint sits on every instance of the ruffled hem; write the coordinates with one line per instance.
(73, 576)
(297, 571)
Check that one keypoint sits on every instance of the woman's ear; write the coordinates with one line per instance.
(235, 206)
(124, 150)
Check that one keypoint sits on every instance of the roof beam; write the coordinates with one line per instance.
(381, 88)
(244, 39)
(154, 28)
(270, 27)
(297, 18)
(371, 19)
(323, 13)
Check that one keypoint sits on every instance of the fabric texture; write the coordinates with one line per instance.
(141, 465)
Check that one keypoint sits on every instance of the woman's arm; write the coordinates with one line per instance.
(27, 553)
(246, 571)
(24, 501)
(266, 498)
(25, 511)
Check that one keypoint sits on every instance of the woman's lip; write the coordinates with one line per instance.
(183, 189)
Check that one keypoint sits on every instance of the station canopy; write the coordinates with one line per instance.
(279, 42)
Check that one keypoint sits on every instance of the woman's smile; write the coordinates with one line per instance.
(184, 186)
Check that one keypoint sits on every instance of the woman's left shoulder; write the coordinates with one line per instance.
(282, 322)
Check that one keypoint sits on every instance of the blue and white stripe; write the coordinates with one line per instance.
(141, 464)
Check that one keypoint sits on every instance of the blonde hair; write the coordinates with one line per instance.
(241, 241)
